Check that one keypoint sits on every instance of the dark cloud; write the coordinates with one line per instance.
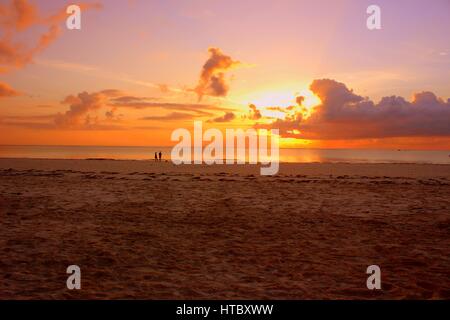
(171, 116)
(300, 100)
(346, 115)
(212, 78)
(227, 117)
(254, 113)
(112, 115)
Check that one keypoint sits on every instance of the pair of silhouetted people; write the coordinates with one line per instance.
(156, 156)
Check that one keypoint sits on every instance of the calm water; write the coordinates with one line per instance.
(286, 155)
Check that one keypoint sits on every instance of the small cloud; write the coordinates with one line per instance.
(227, 117)
(300, 100)
(254, 113)
(170, 116)
(212, 78)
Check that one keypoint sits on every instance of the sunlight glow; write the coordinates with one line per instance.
(282, 103)
(273, 99)
(281, 98)
(311, 100)
(266, 100)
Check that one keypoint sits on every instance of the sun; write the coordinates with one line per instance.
(271, 103)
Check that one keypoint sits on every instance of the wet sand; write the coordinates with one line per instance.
(140, 229)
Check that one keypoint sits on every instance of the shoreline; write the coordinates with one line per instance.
(286, 155)
(368, 162)
(399, 170)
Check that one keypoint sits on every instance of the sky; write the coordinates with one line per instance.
(139, 69)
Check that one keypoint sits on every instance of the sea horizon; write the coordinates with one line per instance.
(287, 154)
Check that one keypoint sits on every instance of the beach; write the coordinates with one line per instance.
(153, 230)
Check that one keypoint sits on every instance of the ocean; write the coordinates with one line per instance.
(286, 155)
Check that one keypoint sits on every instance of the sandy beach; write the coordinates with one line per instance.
(140, 229)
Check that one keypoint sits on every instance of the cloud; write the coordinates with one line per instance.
(16, 18)
(7, 91)
(143, 103)
(27, 125)
(100, 111)
(131, 100)
(19, 16)
(254, 113)
(300, 100)
(80, 107)
(227, 117)
(112, 116)
(84, 107)
(29, 122)
(212, 80)
(343, 114)
(171, 116)
(31, 118)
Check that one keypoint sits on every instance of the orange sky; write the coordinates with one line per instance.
(138, 70)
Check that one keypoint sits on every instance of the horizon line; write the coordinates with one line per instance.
(170, 146)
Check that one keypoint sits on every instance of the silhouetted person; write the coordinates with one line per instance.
(156, 156)
(160, 156)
